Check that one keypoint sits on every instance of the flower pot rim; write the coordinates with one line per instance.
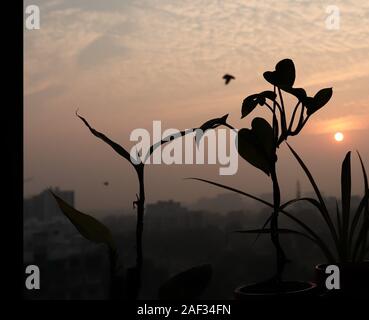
(312, 286)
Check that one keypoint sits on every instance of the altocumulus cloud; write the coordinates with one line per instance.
(101, 50)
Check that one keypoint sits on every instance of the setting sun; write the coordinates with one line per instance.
(338, 136)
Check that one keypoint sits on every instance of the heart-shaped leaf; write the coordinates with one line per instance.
(299, 93)
(87, 226)
(318, 101)
(250, 103)
(284, 74)
(187, 285)
(256, 145)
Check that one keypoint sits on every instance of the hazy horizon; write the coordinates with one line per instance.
(125, 64)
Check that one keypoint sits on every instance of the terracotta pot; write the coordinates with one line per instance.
(354, 279)
(287, 290)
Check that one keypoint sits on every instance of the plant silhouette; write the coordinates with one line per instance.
(259, 144)
(95, 231)
(349, 234)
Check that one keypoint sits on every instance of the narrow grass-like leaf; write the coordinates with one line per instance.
(116, 147)
(323, 210)
(263, 228)
(360, 243)
(366, 209)
(319, 241)
(280, 230)
(339, 222)
(358, 214)
(345, 199)
(313, 201)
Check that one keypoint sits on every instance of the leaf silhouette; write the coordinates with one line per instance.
(284, 74)
(210, 124)
(87, 226)
(117, 148)
(346, 197)
(256, 146)
(186, 285)
(299, 93)
(250, 103)
(317, 240)
(280, 230)
(320, 99)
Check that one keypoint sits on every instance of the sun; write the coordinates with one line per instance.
(338, 136)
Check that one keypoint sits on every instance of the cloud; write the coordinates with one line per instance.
(344, 124)
(99, 51)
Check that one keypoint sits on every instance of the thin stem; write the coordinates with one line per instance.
(293, 116)
(140, 206)
(301, 123)
(283, 114)
(280, 255)
(269, 107)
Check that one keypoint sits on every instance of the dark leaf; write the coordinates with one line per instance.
(284, 74)
(250, 103)
(117, 148)
(366, 207)
(256, 145)
(271, 95)
(87, 226)
(320, 100)
(346, 198)
(323, 208)
(267, 221)
(187, 285)
(358, 213)
(311, 232)
(210, 124)
(280, 231)
(339, 222)
(299, 93)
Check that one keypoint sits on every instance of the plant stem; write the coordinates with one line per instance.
(140, 206)
(281, 257)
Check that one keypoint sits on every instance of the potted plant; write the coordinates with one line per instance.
(188, 284)
(258, 146)
(349, 232)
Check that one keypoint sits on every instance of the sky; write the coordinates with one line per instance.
(124, 64)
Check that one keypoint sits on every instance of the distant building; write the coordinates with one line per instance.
(222, 203)
(164, 215)
(71, 267)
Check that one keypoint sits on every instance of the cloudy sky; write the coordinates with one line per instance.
(127, 63)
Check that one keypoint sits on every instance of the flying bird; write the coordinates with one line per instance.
(228, 77)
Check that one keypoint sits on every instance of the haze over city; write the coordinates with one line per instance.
(124, 64)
